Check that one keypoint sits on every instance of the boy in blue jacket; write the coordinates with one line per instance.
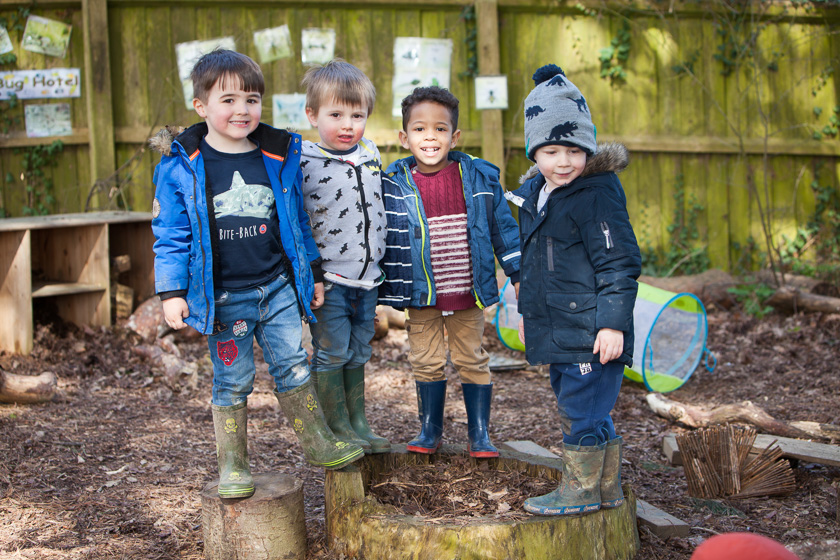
(580, 262)
(235, 259)
(447, 217)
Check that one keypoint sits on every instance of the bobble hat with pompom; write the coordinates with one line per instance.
(556, 113)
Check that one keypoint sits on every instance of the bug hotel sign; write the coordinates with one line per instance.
(41, 84)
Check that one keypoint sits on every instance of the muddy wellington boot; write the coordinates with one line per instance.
(580, 487)
(320, 446)
(611, 493)
(329, 385)
(231, 427)
(430, 397)
(354, 388)
(477, 402)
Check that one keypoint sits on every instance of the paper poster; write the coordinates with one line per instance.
(5, 42)
(188, 54)
(40, 84)
(46, 36)
(48, 120)
(289, 111)
(273, 44)
(419, 62)
(317, 45)
(491, 92)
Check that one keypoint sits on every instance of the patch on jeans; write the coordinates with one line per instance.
(585, 368)
(219, 327)
(240, 328)
(227, 351)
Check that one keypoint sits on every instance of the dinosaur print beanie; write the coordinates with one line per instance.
(557, 113)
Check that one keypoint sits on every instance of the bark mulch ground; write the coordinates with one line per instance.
(113, 467)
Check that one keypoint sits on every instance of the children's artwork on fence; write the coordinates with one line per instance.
(317, 45)
(40, 84)
(46, 36)
(273, 44)
(419, 62)
(289, 111)
(491, 92)
(48, 120)
(5, 42)
(188, 54)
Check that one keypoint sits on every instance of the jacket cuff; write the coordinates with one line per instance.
(514, 278)
(317, 272)
(172, 294)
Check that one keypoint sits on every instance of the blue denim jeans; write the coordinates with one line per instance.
(269, 313)
(586, 393)
(342, 335)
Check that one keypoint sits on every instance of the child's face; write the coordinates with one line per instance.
(231, 115)
(560, 165)
(339, 124)
(429, 136)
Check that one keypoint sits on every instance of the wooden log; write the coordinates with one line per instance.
(359, 526)
(711, 286)
(792, 300)
(269, 524)
(123, 300)
(26, 389)
(745, 412)
(660, 523)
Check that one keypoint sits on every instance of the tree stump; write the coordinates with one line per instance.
(358, 526)
(268, 525)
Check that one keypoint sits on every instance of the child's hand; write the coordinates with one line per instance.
(610, 343)
(318, 296)
(516, 289)
(521, 329)
(175, 310)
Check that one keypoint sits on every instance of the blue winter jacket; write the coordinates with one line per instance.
(491, 229)
(184, 250)
(580, 262)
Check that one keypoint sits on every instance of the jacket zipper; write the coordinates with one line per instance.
(478, 302)
(367, 221)
(422, 232)
(549, 246)
(605, 229)
(303, 315)
(200, 240)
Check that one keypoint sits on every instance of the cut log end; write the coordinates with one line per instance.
(27, 389)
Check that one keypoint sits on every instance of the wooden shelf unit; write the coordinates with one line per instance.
(66, 257)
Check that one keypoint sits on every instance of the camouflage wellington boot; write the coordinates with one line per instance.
(611, 493)
(231, 427)
(354, 388)
(580, 488)
(320, 446)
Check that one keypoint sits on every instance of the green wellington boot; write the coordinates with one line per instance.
(329, 385)
(320, 446)
(231, 426)
(611, 494)
(579, 490)
(354, 388)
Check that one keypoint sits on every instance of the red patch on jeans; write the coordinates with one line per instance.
(227, 351)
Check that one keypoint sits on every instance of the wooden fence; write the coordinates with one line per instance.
(690, 128)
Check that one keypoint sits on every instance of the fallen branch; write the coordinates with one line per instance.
(793, 300)
(26, 389)
(746, 412)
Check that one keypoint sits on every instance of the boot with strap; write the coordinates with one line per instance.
(231, 427)
(611, 494)
(320, 446)
(430, 397)
(354, 389)
(329, 385)
(580, 487)
(477, 400)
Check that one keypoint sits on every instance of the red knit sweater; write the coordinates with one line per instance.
(443, 199)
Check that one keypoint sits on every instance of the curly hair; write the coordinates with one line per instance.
(434, 94)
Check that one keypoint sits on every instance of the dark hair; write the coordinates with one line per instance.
(223, 64)
(340, 81)
(435, 94)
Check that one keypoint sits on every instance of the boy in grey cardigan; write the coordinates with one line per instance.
(342, 192)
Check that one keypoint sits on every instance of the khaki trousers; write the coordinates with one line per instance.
(465, 329)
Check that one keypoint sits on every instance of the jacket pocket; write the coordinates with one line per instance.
(572, 319)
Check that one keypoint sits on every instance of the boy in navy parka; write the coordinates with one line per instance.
(235, 259)
(580, 262)
(447, 217)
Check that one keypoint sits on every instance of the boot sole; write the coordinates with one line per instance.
(424, 450)
(239, 493)
(484, 454)
(565, 510)
(340, 463)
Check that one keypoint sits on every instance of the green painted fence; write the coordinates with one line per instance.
(719, 136)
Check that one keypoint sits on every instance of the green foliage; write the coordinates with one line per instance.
(686, 67)
(614, 57)
(683, 255)
(10, 110)
(39, 187)
(829, 129)
(14, 23)
(471, 40)
(748, 257)
(751, 298)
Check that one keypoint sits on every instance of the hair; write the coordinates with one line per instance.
(435, 94)
(221, 65)
(340, 81)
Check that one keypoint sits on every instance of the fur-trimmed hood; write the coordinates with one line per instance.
(161, 142)
(609, 157)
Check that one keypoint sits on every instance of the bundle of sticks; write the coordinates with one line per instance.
(718, 464)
